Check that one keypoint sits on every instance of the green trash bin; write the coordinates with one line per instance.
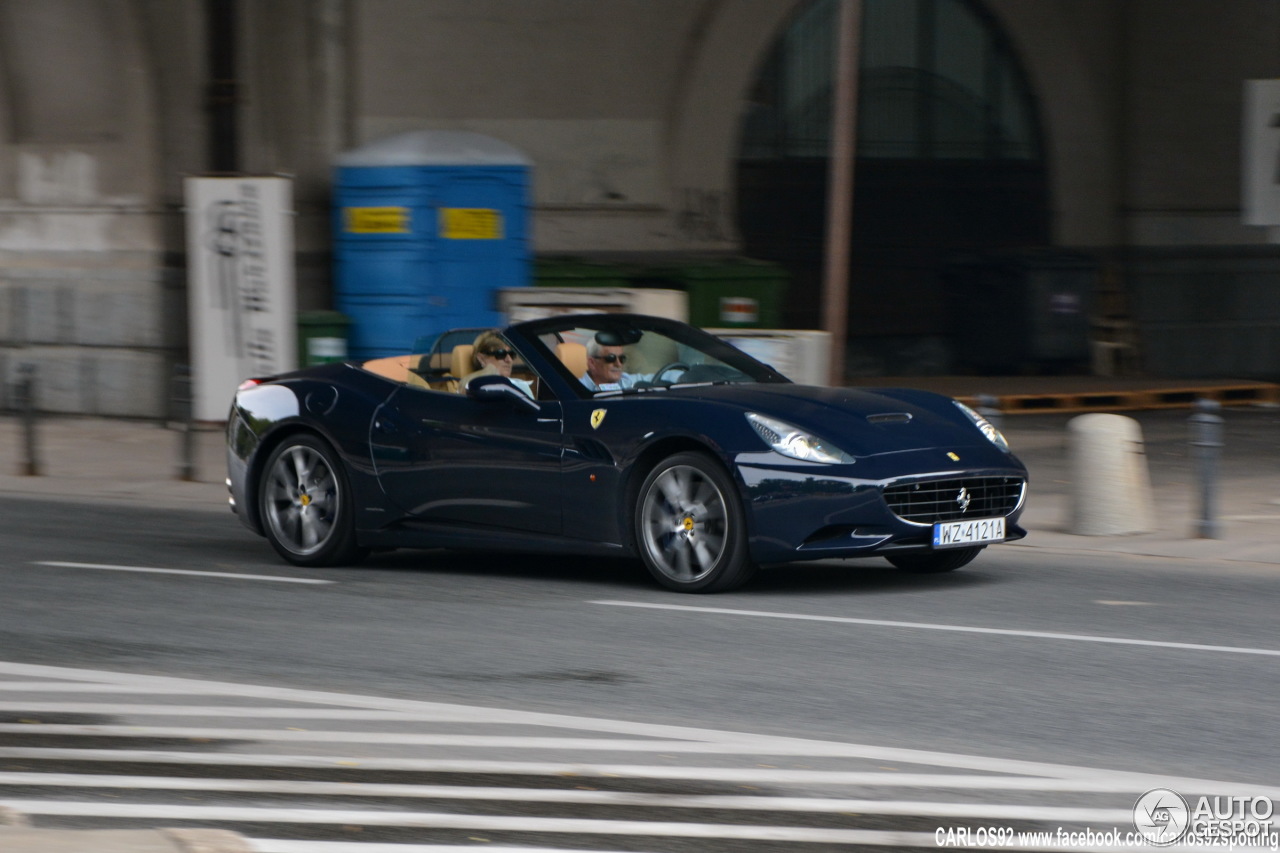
(572, 272)
(322, 337)
(738, 293)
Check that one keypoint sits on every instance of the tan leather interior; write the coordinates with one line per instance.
(396, 368)
(574, 357)
(460, 364)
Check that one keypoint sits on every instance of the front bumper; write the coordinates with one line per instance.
(798, 511)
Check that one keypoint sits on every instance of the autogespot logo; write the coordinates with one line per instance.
(1162, 816)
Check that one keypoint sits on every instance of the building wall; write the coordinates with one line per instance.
(83, 290)
(630, 112)
(1205, 288)
(1142, 109)
(296, 115)
(1184, 69)
(1071, 50)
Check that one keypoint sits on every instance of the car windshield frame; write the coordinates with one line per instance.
(542, 334)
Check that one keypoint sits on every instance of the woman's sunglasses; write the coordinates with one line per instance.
(610, 358)
(500, 353)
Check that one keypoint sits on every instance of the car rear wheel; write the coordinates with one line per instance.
(690, 528)
(305, 504)
(935, 563)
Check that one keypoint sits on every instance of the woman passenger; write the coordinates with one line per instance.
(494, 356)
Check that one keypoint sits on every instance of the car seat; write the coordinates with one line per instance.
(573, 356)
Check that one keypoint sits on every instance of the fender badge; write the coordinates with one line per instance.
(597, 418)
(952, 456)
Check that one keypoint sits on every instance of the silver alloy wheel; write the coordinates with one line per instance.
(684, 524)
(301, 500)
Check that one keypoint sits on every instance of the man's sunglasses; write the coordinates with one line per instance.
(500, 353)
(610, 358)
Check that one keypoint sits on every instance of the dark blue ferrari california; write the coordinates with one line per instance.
(614, 434)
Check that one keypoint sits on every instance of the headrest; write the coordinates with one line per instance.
(460, 364)
(574, 357)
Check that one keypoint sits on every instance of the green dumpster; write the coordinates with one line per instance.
(572, 272)
(322, 337)
(738, 293)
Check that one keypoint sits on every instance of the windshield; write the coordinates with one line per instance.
(612, 354)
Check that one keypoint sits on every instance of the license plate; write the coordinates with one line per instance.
(974, 531)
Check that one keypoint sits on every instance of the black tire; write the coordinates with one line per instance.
(305, 505)
(690, 528)
(937, 562)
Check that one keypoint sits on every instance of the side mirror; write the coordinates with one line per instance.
(492, 389)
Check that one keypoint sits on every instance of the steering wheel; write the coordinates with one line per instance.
(657, 376)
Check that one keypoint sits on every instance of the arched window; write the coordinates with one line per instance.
(937, 81)
(949, 158)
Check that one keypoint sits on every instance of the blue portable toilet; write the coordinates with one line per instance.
(428, 226)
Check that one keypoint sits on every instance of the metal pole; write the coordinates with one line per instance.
(25, 392)
(222, 96)
(844, 110)
(183, 410)
(1206, 447)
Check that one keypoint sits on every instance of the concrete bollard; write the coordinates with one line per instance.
(1110, 484)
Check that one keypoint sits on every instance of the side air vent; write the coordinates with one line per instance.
(890, 418)
(591, 449)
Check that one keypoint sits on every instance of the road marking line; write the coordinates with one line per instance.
(928, 758)
(931, 626)
(232, 711)
(1110, 603)
(287, 845)
(108, 568)
(1102, 782)
(84, 687)
(865, 837)
(558, 795)
(415, 739)
(435, 820)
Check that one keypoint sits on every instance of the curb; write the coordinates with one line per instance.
(207, 840)
(19, 840)
(18, 836)
(12, 818)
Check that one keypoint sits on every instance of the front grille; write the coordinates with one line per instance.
(927, 501)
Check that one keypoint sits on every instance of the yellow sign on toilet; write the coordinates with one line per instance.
(470, 223)
(377, 220)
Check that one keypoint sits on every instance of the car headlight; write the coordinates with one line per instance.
(985, 426)
(794, 442)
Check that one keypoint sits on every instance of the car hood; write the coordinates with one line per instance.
(860, 421)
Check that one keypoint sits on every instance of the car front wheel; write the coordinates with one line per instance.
(935, 563)
(690, 527)
(305, 504)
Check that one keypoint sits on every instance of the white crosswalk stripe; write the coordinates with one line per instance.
(81, 748)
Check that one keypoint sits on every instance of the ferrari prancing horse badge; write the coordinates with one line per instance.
(597, 418)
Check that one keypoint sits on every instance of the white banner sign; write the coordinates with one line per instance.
(241, 296)
(1260, 171)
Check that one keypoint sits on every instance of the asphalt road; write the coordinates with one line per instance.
(1195, 697)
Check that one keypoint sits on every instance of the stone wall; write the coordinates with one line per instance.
(103, 337)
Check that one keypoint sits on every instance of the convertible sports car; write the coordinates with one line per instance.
(695, 457)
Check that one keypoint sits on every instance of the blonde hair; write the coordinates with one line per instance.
(484, 341)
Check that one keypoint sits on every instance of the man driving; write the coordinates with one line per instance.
(604, 368)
